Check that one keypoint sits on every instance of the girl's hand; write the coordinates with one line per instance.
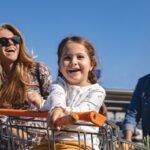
(34, 98)
(53, 116)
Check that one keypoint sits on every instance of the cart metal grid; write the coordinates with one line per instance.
(23, 139)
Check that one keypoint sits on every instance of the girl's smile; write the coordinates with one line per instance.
(75, 64)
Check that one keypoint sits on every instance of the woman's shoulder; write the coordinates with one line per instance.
(43, 68)
(42, 65)
(38, 66)
(41, 71)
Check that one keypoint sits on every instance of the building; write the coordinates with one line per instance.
(117, 102)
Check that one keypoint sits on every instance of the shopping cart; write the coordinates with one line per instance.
(16, 136)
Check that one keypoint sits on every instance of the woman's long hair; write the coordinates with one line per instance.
(14, 84)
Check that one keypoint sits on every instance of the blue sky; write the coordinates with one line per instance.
(118, 29)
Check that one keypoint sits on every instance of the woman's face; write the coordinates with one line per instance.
(9, 47)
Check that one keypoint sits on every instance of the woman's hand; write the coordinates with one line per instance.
(34, 98)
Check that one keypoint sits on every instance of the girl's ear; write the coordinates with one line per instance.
(92, 65)
(91, 68)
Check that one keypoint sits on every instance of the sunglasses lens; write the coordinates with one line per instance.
(5, 41)
(16, 40)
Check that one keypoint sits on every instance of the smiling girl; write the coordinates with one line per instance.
(75, 90)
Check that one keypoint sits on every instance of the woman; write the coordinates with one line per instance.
(19, 73)
(18, 70)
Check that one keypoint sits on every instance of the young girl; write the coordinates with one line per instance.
(75, 90)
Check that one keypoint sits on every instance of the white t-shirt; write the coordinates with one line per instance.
(74, 98)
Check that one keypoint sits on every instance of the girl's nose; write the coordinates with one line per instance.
(74, 60)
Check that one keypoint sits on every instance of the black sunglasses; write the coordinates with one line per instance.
(5, 41)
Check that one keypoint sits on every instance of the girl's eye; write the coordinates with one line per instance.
(80, 57)
(67, 58)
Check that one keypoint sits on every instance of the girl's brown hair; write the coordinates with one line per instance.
(13, 89)
(90, 51)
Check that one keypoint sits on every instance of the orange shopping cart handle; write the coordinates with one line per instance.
(23, 113)
(91, 116)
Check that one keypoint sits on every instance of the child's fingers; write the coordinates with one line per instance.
(56, 118)
(66, 120)
(61, 122)
(52, 116)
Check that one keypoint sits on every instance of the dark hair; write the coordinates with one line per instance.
(90, 51)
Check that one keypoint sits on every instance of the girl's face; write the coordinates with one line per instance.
(9, 48)
(75, 64)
